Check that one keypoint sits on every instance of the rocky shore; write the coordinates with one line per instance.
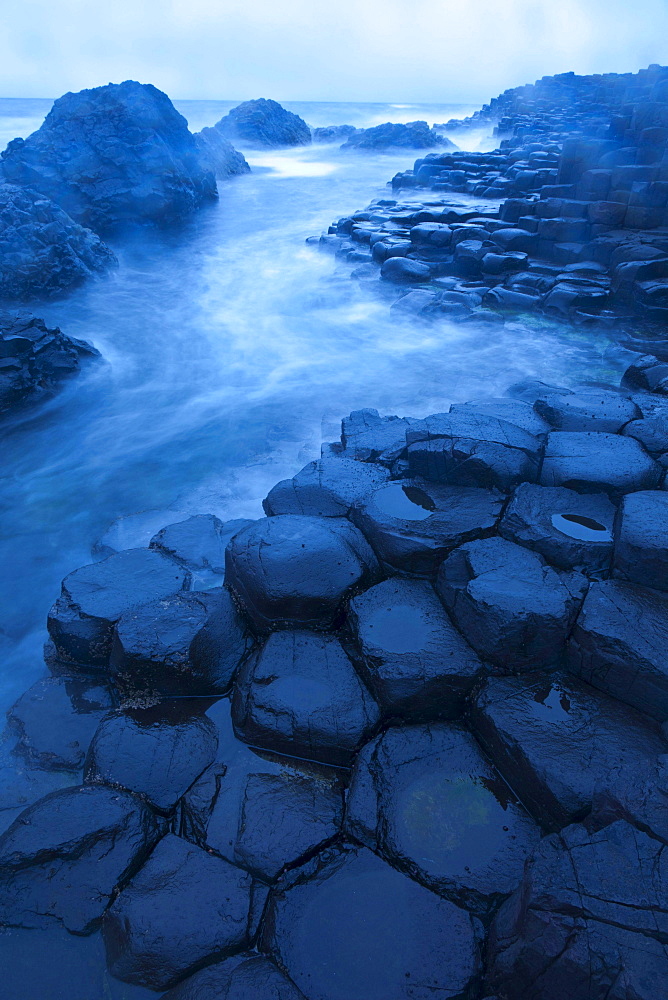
(406, 735)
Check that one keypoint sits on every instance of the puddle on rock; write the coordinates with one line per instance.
(551, 704)
(407, 503)
(586, 529)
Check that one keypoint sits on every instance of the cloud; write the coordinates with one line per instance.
(366, 50)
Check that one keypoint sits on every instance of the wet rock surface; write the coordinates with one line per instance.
(325, 488)
(413, 135)
(641, 546)
(598, 463)
(264, 123)
(238, 978)
(218, 155)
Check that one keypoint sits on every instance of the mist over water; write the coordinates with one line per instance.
(231, 351)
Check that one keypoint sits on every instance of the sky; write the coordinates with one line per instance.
(436, 51)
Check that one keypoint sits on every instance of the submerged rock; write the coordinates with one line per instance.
(348, 925)
(113, 155)
(43, 252)
(264, 123)
(430, 803)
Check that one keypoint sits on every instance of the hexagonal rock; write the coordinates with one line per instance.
(64, 856)
(94, 597)
(514, 609)
(297, 570)
(427, 799)
(242, 977)
(199, 544)
(157, 753)
(559, 744)
(619, 645)
(414, 659)
(594, 462)
(56, 719)
(571, 530)
(368, 437)
(326, 488)
(347, 926)
(22, 783)
(183, 908)
(641, 539)
(412, 524)
(587, 409)
(651, 431)
(402, 271)
(472, 449)
(185, 644)
(514, 411)
(589, 920)
(299, 694)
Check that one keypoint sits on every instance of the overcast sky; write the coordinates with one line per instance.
(323, 50)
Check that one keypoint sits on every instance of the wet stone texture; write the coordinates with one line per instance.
(199, 544)
(347, 926)
(326, 488)
(413, 658)
(593, 462)
(426, 798)
(641, 544)
(243, 977)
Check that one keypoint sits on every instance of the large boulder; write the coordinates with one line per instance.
(413, 658)
(346, 925)
(113, 155)
(264, 123)
(588, 922)
(296, 570)
(184, 908)
(43, 252)
(299, 694)
(64, 856)
(332, 133)
(413, 135)
(218, 155)
(426, 799)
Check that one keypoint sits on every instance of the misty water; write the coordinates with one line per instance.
(232, 350)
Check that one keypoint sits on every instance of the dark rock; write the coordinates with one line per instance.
(619, 645)
(641, 539)
(368, 437)
(471, 449)
(652, 432)
(595, 462)
(431, 234)
(413, 135)
(199, 544)
(514, 411)
(587, 410)
(243, 977)
(218, 155)
(94, 597)
(431, 804)
(571, 530)
(112, 155)
(184, 908)
(185, 644)
(560, 744)
(43, 252)
(648, 374)
(588, 922)
(332, 133)
(403, 271)
(299, 694)
(414, 659)
(157, 753)
(57, 718)
(348, 925)
(512, 607)
(64, 856)
(264, 123)
(21, 782)
(295, 569)
(325, 488)
(412, 525)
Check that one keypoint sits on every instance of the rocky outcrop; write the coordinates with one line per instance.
(113, 155)
(34, 360)
(43, 252)
(414, 135)
(218, 155)
(263, 123)
(333, 133)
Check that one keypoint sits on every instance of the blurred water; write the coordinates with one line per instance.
(232, 350)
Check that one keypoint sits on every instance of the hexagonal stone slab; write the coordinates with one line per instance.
(243, 977)
(183, 908)
(347, 926)
(641, 539)
(186, 644)
(414, 659)
(199, 544)
(559, 744)
(514, 609)
(515, 411)
(299, 694)
(587, 409)
(94, 597)
(594, 462)
(427, 799)
(619, 645)
(571, 530)
(590, 919)
(412, 524)
(157, 752)
(325, 488)
(293, 569)
(368, 437)
(64, 856)
(56, 719)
